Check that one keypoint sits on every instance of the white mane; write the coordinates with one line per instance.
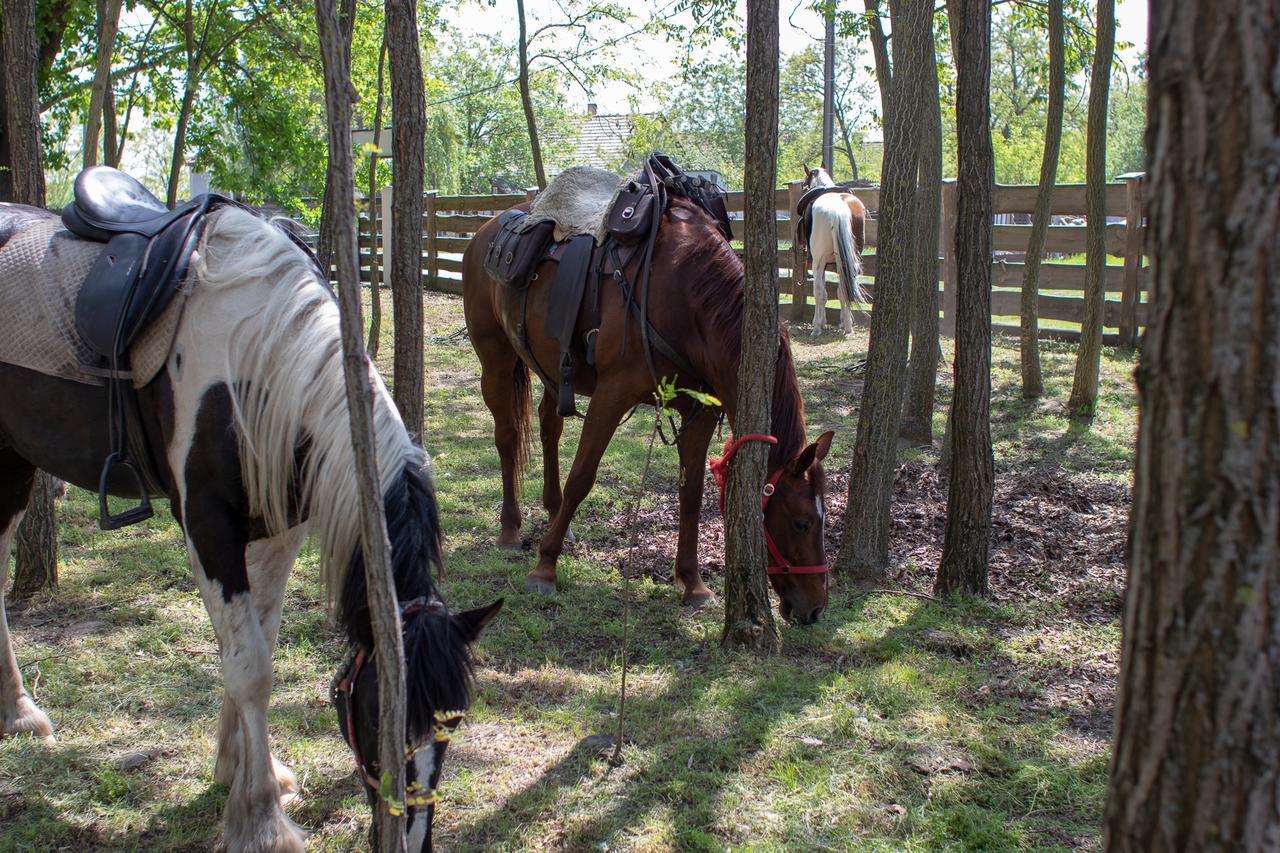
(821, 178)
(285, 357)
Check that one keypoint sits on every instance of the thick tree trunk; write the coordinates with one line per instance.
(864, 549)
(375, 269)
(1196, 758)
(383, 607)
(748, 611)
(972, 478)
(108, 25)
(6, 158)
(36, 562)
(1032, 381)
(1084, 389)
(409, 124)
(922, 377)
(526, 99)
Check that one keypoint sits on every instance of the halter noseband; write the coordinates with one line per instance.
(778, 564)
(445, 722)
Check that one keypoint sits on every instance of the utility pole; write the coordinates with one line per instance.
(829, 90)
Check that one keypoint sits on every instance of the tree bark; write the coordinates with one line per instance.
(922, 373)
(1084, 388)
(110, 129)
(1029, 339)
(526, 99)
(880, 50)
(36, 561)
(864, 548)
(324, 240)
(748, 610)
(1196, 758)
(409, 125)
(179, 158)
(375, 269)
(383, 606)
(108, 26)
(971, 483)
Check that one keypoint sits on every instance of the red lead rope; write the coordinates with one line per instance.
(778, 565)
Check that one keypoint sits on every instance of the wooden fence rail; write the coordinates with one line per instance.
(448, 222)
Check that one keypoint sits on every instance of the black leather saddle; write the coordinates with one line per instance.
(134, 279)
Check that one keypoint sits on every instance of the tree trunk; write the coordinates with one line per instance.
(526, 99)
(375, 270)
(1196, 758)
(864, 548)
(1032, 381)
(971, 482)
(6, 158)
(409, 125)
(917, 413)
(880, 50)
(748, 610)
(110, 130)
(180, 139)
(36, 562)
(36, 541)
(1084, 389)
(108, 25)
(383, 607)
(324, 240)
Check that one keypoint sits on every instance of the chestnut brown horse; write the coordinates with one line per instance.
(695, 304)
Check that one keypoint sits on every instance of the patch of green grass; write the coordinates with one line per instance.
(820, 748)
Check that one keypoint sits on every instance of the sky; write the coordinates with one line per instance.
(655, 61)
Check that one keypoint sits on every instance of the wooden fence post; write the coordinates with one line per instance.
(530, 194)
(387, 193)
(433, 255)
(950, 273)
(799, 258)
(1132, 260)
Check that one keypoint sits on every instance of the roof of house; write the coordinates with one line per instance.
(598, 140)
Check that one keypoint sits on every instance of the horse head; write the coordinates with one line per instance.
(437, 653)
(795, 522)
(817, 178)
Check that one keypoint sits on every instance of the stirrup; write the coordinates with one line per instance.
(143, 511)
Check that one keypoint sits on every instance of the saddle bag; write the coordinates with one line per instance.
(514, 251)
(632, 213)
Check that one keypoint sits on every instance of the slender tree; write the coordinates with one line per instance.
(375, 270)
(526, 97)
(408, 128)
(748, 612)
(1084, 389)
(36, 551)
(1029, 339)
(108, 26)
(922, 377)
(388, 826)
(1196, 758)
(864, 549)
(880, 51)
(972, 476)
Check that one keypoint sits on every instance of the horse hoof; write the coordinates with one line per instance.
(569, 537)
(815, 333)
(509, 541)
(539, 586)
(698, 600)
(510, 546)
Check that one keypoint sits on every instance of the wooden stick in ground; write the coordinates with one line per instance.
(383, 607)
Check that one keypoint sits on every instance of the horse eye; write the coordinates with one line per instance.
(800, 524)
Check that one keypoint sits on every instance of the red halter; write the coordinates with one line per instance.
(778, 564)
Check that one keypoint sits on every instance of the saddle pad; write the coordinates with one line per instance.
(577, 200)
(41, 270)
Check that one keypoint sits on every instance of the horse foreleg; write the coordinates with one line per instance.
(18, 714)
(550, 427)
(268, 563)
(601, 421)
(497, 386)
(694, 439)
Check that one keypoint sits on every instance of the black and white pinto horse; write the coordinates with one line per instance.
(835, 236)
(249, 421)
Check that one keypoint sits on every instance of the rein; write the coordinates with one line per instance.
(445, 723)
(778, 564)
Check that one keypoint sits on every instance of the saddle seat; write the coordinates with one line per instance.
(109, 202)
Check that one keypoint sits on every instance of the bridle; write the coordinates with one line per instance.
(778, 564)
(416, 796)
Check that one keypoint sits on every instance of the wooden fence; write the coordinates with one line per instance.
(448, 222)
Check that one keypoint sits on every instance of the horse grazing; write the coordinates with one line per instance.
(695, 303)
(836, 221)
(248, 424)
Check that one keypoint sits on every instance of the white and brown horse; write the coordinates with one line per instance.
(248, 421)
(837, 221)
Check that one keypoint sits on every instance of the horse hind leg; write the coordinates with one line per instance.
(18, 713)
(504, 384)
(550, 427)
(694, 439)
(268, 563)
(820, 261)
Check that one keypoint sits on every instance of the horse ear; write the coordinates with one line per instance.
(813, 454)
(806, 168)
(473, 622)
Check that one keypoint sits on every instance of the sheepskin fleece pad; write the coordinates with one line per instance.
(577, 201)
(41, 270)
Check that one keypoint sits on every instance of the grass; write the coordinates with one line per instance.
(867, 733)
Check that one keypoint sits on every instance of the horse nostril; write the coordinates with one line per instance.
(813, 616)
